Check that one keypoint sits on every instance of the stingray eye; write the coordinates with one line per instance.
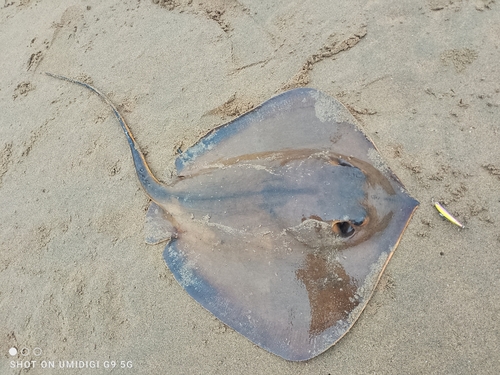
(360, 221)
(343, 228)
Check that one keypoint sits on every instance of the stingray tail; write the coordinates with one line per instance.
(155, 189)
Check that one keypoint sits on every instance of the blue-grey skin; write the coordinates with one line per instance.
(280, 222)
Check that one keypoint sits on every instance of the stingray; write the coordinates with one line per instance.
(280, 222)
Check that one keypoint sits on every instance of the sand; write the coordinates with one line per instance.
(77, 281)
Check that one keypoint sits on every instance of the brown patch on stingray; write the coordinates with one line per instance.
(330, 290)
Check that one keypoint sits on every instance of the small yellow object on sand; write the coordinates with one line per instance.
(447, 215)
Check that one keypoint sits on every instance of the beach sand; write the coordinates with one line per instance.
(77, 281)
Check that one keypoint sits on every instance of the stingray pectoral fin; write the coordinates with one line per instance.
(157, 227)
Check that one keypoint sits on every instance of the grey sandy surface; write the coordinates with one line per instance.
(78, 282)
